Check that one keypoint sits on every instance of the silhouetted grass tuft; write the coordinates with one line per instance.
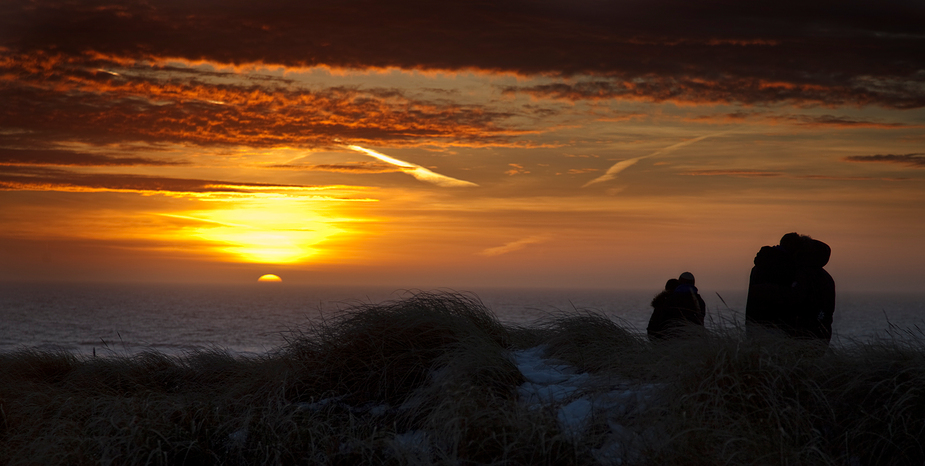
(430, 380)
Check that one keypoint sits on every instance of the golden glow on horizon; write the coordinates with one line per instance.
(270, 278)
(283, 231)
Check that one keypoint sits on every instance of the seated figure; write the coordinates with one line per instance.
(678, 306)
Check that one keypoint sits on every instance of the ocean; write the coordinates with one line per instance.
(252, 319)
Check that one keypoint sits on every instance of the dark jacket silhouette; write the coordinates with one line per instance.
(790, 291)
(814, 292)
(770, 298)
(673, 309)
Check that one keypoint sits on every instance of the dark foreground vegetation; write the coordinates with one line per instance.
(430, 380)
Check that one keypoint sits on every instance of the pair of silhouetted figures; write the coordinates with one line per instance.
(788, 291)
(676, 308)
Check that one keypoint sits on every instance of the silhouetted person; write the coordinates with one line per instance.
(790, 291)
(770, 298)
(814, 292)
(660, 312)
(679, 305)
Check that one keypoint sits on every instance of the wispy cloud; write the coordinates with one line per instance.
(737, 173)
(414, 170)
(748, 90)
(74, 158)
(513, 246)
(516, 169)
(912, 160)
(832, 121)
(624, 164)
(19, 178)
(580, 171)
(812, 121)
(769, 174)
(346, 167)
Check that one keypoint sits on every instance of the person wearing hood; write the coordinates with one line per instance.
(679, 305)
(790, 291)
(770, 296)
(814, 292)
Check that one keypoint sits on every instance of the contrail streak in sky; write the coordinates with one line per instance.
(513, 246)
(184, 217)
(416, 171)
(624, 164)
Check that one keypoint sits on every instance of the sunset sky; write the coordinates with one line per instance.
(460, 143)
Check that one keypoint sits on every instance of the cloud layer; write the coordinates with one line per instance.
(823, 52)
(56, 96)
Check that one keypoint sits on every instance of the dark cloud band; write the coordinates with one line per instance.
(911, 160)
(17, 178)
(73, 158)
(831, 51)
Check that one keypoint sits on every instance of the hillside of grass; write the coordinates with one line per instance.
(436, 379)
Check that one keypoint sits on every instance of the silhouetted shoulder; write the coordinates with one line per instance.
(771, 256)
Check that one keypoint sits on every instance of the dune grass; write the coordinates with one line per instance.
(430, 380)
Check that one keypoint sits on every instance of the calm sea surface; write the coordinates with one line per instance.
(256, 318)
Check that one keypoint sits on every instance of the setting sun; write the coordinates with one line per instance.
(269, 278)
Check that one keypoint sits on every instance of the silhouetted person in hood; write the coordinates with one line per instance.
(674, 308)
(770, 286)
(790, 291)
(814, 292)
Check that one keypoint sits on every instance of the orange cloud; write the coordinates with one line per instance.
(516, 170)
(581, 171)
(56, 95)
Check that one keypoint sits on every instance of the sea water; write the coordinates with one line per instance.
(124, 319)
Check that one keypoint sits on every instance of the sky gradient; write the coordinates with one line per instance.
(459, 143)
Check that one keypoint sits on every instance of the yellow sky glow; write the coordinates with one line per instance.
(283, 231)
